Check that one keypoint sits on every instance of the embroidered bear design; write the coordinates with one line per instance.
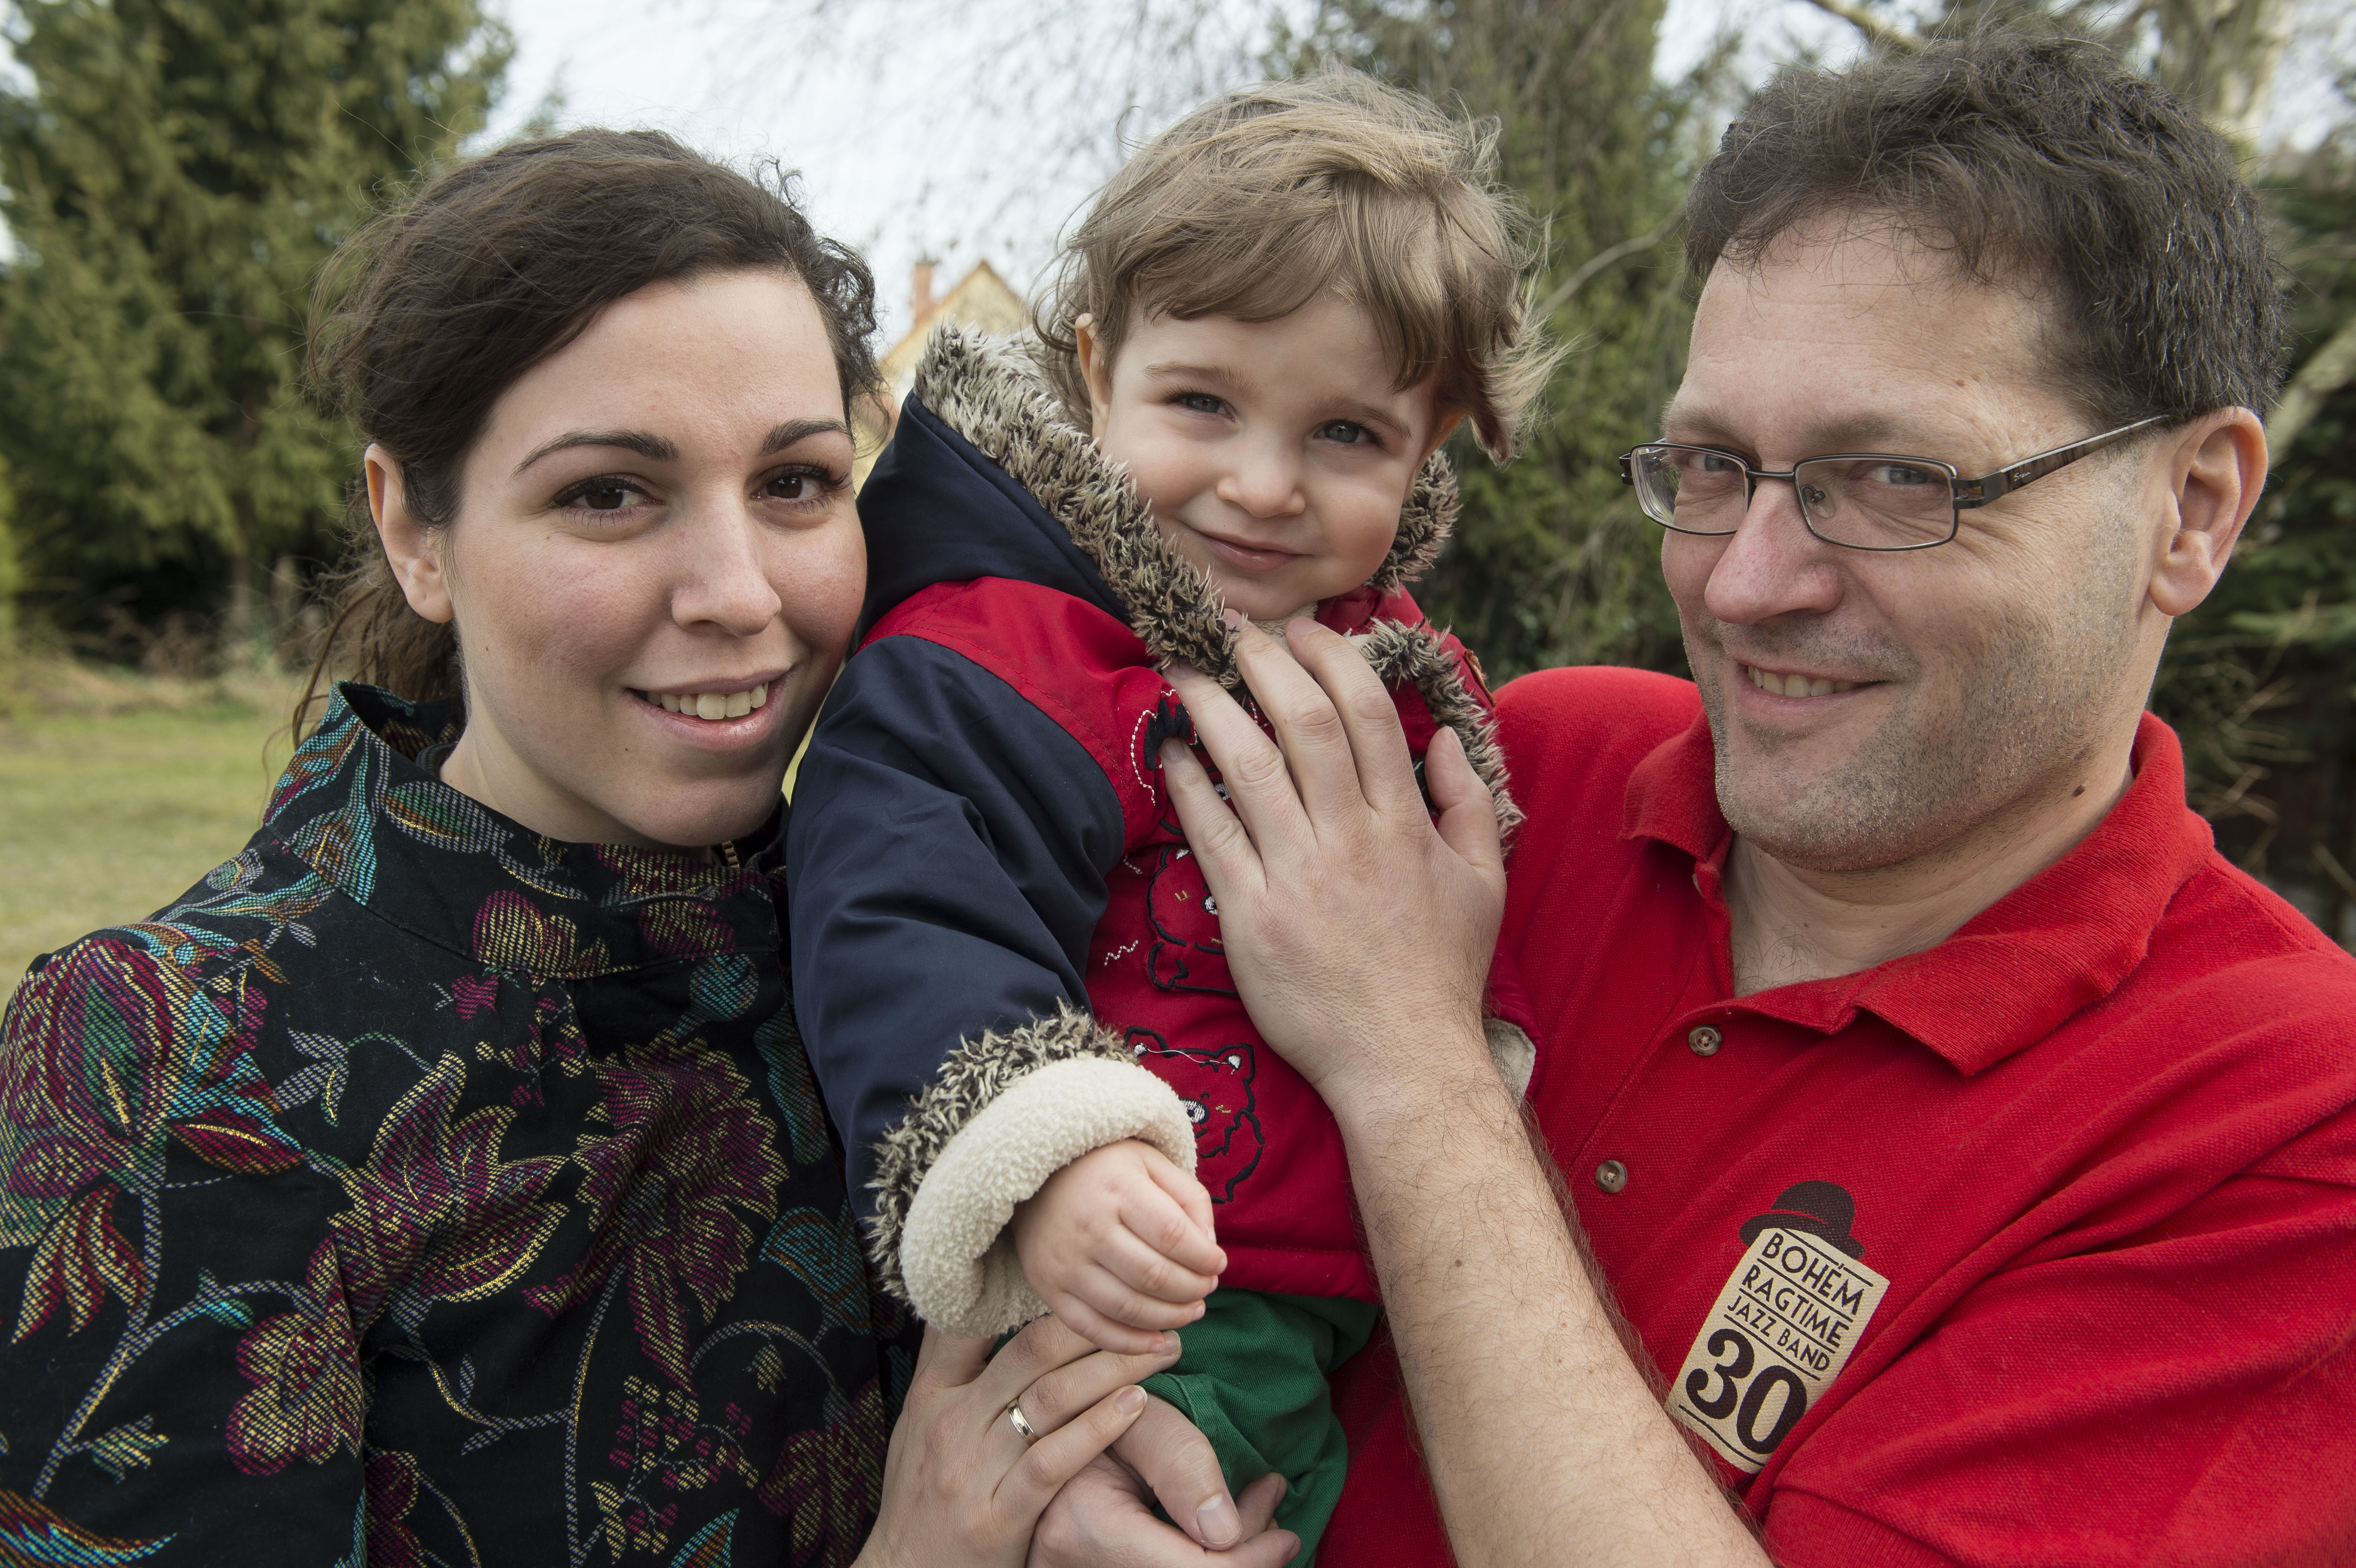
(1187, 954)
(1216, 1087)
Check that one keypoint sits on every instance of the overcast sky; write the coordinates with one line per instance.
(965, 129)
(970, 130)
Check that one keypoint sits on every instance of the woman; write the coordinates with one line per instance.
(441, 1181)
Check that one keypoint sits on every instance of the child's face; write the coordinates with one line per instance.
(1276, 453)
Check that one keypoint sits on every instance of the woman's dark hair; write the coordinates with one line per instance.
(427, 314)
(2035, 160)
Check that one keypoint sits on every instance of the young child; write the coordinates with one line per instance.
(1006, 964)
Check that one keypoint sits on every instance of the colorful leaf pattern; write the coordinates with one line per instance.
(347, 1204)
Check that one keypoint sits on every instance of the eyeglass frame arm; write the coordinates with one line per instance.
(1979, 492)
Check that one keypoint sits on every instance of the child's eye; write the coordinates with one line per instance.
(1200, 402)
(1348, 433)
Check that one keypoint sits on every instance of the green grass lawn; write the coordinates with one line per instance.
(108, 819)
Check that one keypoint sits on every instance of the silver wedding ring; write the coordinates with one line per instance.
(1014, 1414)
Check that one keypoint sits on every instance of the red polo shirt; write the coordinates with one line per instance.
(2035, 1248)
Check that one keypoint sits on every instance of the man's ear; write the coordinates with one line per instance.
(413, 550)
(2217, 468)
(1096, 372)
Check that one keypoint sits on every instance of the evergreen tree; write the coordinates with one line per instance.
(1553, 563)
(175, 175)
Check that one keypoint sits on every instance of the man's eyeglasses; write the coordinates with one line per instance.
(1863, 501)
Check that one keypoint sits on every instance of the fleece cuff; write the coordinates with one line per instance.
(957, 1251)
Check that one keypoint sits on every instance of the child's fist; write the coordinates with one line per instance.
(1118, 1244)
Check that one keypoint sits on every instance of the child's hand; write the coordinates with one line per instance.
(1118, 1244)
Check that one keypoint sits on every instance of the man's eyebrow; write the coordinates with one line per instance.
(794, 431)
(637, 441)
(1859, 432)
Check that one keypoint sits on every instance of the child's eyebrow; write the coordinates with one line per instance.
(1212, 373)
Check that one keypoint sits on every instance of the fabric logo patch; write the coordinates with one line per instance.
(1782, 1329)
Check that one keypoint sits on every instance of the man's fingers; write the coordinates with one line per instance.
(1230, 861)
(1175, 1460)
(1385, 769)
(1468, 812)
(1060, 1455)
(1258, 1504)
(1257, 776)
(1316, 744)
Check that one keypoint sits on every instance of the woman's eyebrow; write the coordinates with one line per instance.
(637, 441)
(794, 431)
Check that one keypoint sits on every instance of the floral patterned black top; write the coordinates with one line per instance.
(420, 1190)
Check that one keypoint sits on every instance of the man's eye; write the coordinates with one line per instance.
(1899, 474)
(1715, 462)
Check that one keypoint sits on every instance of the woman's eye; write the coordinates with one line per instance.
(602, 496)
(799, 485)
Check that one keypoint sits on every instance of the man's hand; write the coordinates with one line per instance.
(1358, 932)
(1101, 1520)
(1117, 1244)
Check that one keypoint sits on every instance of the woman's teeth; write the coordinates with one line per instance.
(712, 704)
(1796, 685)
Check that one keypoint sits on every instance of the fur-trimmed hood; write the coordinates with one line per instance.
(1071, 519)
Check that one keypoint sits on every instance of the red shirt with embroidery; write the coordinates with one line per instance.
(2037, 1247)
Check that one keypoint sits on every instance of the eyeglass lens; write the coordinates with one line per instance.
(1871, 503)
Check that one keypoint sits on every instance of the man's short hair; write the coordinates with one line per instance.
(2034, 160)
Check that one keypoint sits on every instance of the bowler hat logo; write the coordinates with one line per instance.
(1820, 1209)
(1781, 1331)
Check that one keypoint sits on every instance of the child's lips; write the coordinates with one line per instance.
(1246, 556)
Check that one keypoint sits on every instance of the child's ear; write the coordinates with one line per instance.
(1096, 372)
(1448, 419)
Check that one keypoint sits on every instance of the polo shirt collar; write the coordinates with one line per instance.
(2060, 941)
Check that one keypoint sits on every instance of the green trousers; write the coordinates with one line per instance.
(1251, 1375)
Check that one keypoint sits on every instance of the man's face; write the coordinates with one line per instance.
(1868, 708)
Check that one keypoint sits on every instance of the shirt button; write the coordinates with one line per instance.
(1611, 1176)
(1704, 1040)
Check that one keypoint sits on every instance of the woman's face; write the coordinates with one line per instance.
(654, 567)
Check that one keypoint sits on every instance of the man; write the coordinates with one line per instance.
(1968, 1145)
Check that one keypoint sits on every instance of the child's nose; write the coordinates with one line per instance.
(1265, 482)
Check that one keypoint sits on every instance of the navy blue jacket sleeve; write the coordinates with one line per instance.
(946, 854)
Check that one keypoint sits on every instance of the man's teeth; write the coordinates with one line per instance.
(713, 704)
(1796, 685)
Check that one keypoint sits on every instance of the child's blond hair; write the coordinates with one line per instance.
(1259, 201)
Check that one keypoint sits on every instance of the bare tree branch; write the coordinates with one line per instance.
(1603, 259)
(2330, 368)
(1875, 29)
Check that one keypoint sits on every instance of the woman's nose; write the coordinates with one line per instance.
(1265, 482)
(723, 582)
(1771, 565)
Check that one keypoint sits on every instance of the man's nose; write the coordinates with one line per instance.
(1771, 565)
(1264, 479)
(721, 582)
